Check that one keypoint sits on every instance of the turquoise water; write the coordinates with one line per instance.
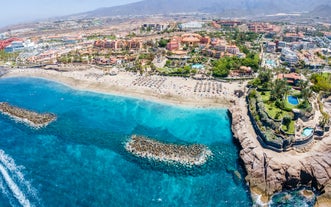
(270, 62)
(79, 159)
(307, 132)
(293, 100)
(294, 198)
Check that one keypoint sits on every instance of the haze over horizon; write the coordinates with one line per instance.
(20, 11)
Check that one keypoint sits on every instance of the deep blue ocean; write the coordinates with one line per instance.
(79, 160)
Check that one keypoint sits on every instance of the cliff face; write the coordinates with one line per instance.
(270, 172)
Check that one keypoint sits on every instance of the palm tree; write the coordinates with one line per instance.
(306, 93)
(286, 90)
(302, 84)
(280, 89)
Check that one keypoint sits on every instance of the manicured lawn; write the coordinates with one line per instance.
(270, 108)
(290, 106)
(265, 96)
(291, 129)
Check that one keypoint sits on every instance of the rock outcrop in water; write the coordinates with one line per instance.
(270, 172)
(188, 155)
(31, 118)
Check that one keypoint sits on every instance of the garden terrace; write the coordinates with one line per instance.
(275, 121)
(264, 126)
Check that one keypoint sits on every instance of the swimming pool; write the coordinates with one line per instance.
(271, 63)
(307, 132)
(293, 100)
(197, 66)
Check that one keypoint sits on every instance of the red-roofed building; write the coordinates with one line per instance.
(291, 78)
(233, 49)
(174, 43)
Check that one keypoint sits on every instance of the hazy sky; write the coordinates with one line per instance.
(16, 11)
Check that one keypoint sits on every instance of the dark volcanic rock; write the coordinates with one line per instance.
(269, 172)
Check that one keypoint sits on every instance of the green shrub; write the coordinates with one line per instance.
(279, 104)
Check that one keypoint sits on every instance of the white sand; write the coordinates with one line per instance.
(173, 90)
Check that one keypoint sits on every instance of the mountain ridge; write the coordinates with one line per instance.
(218, 7)
(321, 11)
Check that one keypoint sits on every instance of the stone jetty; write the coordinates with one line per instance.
(30, 118)
(188, 155)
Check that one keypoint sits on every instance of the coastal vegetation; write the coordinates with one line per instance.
(271, 109)
(322, 82)
(5, 56)
(223, 66)
(183, 71)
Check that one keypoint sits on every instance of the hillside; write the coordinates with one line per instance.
(321, 11)
(220, 7)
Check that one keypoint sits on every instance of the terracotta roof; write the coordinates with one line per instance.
(293, 76)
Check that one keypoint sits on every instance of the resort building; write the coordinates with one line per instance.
(228, 23)
(14, 47)
(174, 43)
(7, 42)
(291, 78)
(271, 47)
(263, 28)
(191, 39)
(232, 49)
(281, 44)
(289, 56)
(191, 26)
(215, 41)
(154, 27)
(220, 45)
(133, 44)
(292, 37)
(242, 71)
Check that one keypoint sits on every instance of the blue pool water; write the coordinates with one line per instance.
(307, 132)
(270, 62)
(197, 66)
(79, 159)
(293, 100)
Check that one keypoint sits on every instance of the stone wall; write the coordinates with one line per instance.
(269, 171)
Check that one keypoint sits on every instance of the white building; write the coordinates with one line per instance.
(191, 26)
(271, 47)
(289, 56)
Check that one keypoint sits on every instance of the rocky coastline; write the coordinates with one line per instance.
(31, 118)
(187, 155)
(269, 172)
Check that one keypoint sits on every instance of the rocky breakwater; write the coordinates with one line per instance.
(187, 155)
(30, 118)
(269, 172)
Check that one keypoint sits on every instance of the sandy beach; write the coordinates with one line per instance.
(171, 90)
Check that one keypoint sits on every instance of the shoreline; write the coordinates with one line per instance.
(270, 172)
(121, 85)
(257, 161)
